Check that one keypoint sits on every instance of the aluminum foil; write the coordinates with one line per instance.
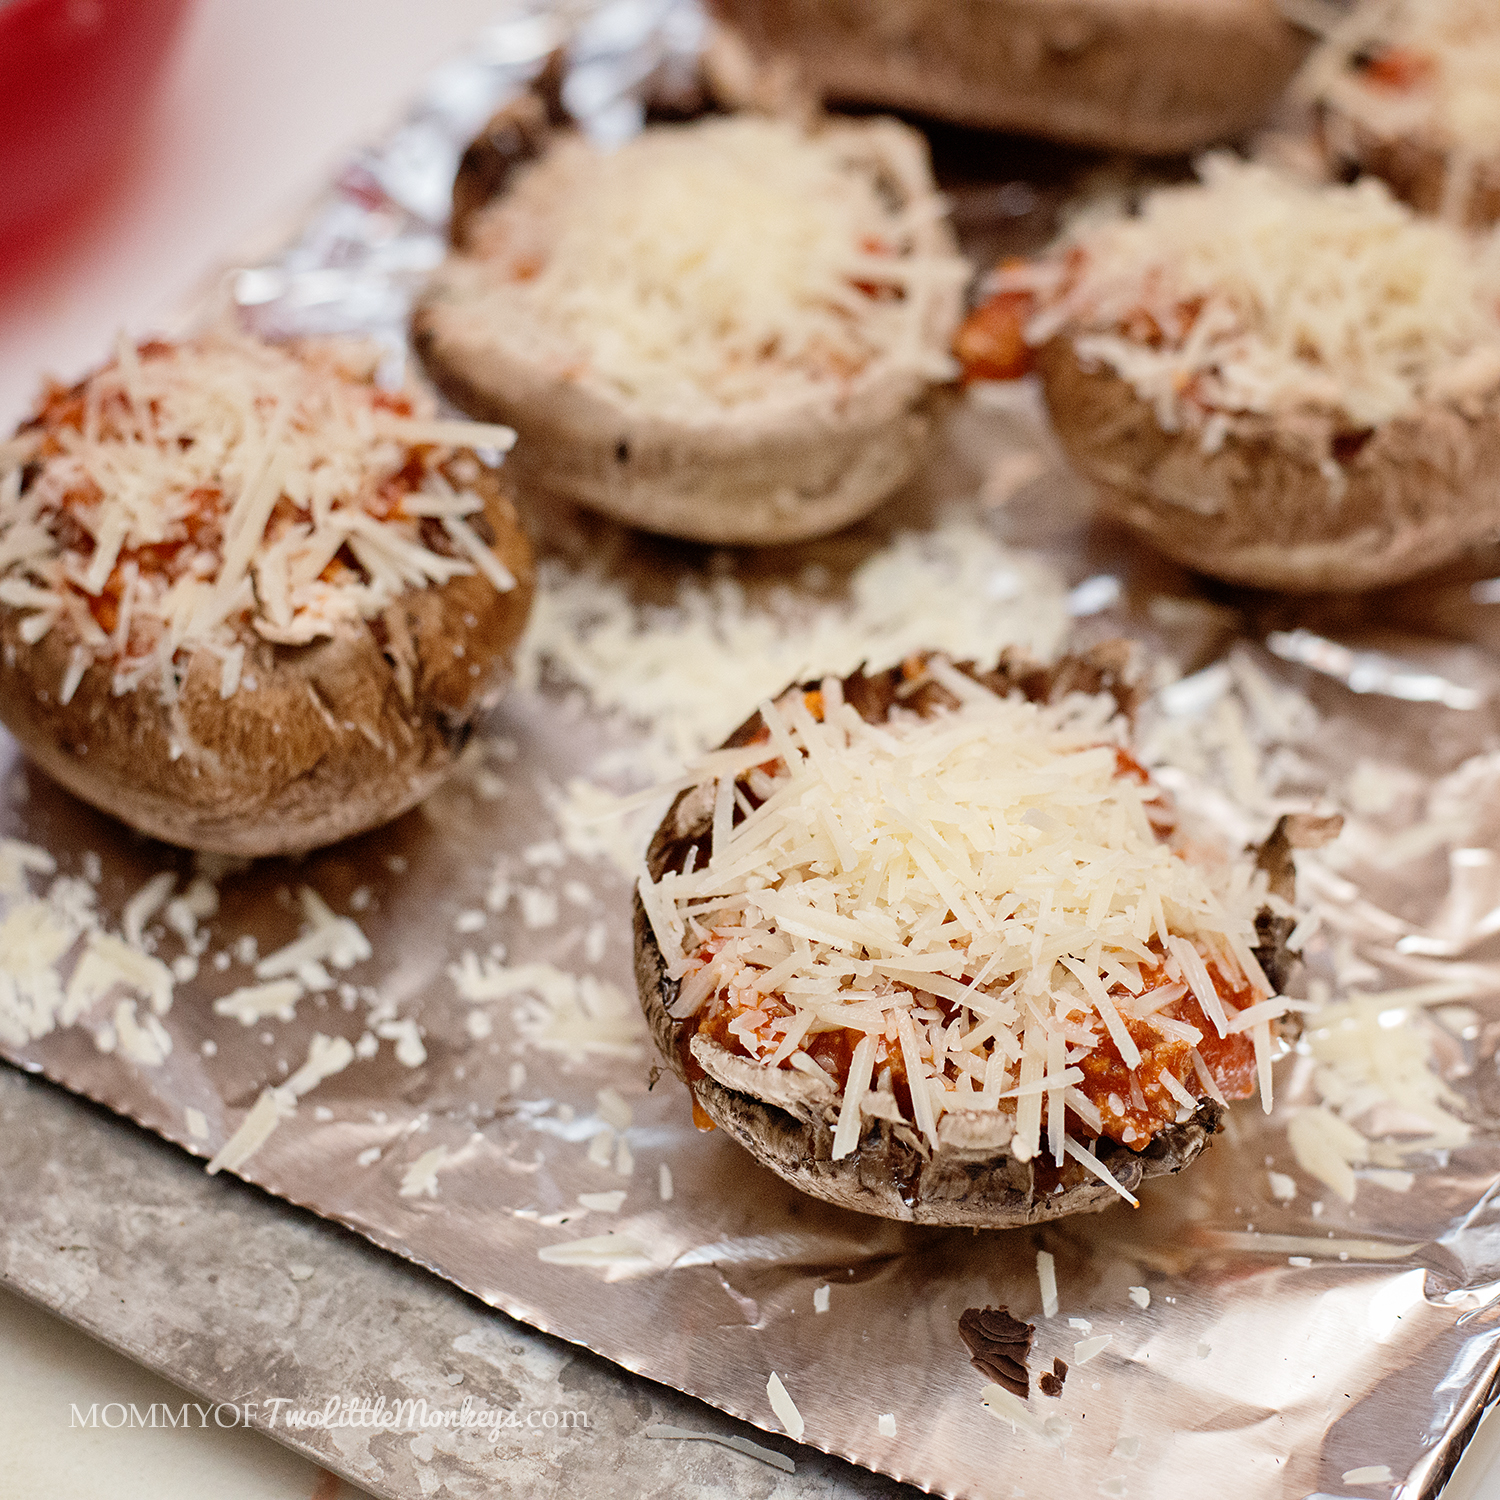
(1266, 1337)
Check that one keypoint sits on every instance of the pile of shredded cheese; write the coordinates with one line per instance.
(1426, 70)
(1255, 292)
(982, 896)
(716, 265)
(187, 495)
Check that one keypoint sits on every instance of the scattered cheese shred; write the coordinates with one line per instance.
(687, 672)
(421, 1177)
(1046, 1275)
(603, 1203)
(604, 1250)
(326, 1055)
(576, 1015)
(725, 1440)
(784, 1407)
(1327, 1148)
(330, 939)
(1006, 1406)
(144, 905)
(268, 1111)
(255, 1002)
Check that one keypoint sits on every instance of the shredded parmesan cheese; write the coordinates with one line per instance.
(268, 1111)
(206, 495)
(688, 673)
(252, 1003)
(784, 1407)
(1046, 1275)
(1426, 70)
(576, 1015)
(1255, 292)
(421, 1177)
(731, 263)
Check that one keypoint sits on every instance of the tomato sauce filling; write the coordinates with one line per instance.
(194, 539)
(1133, 1104)
(991, 343)
(1399, 69)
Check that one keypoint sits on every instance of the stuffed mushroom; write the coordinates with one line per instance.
(1284, 384)
(1124, 75)
(726, 330)
(1410, 90)
(932, 945)
(251, 597)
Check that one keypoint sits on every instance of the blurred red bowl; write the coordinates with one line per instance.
(75, 76)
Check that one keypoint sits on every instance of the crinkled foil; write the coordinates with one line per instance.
(1265, 1336)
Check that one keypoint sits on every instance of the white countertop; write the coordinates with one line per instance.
(52, 1376)
(262, 100)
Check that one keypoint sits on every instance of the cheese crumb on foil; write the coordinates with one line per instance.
(1008, 1407)
(574, 1015)
(605, 1251)
(1046, 1275)
(268, 1111)
(421, 1177)
(1086, 1349)
(785, 1408)
(254, 1002)
(603, 1203)
(689, 672)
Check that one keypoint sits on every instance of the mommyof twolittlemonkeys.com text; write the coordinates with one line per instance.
(372, 1413)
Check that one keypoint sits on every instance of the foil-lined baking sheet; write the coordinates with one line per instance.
(454, 1063)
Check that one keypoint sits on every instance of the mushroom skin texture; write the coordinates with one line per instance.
(334, 738)
(1125, 75)
(1417, 491)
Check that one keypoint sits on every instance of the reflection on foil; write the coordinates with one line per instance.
(1297, 1307)
(1095, 595)
(1371, 671)
(624, 51)
(1190, 696)
(1470, 912)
